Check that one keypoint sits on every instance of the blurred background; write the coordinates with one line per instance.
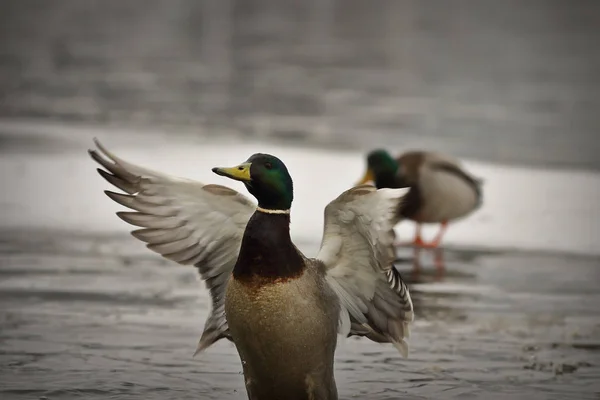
(511, 87)
(503, 81)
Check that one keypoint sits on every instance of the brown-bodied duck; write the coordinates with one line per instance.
(282, 310)
(440, 189)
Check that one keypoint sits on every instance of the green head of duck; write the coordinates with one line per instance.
(266, 177)
(382, 169)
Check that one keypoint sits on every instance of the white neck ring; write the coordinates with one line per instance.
(268, 211)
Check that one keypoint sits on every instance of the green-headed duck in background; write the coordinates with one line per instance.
(440, 189)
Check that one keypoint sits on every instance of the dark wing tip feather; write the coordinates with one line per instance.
(139, 234)
(100, 159)
(117, 181)
(97, 157)
(130, 218)
(123, 199)
(101, 147)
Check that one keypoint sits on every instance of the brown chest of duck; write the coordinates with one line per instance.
(440, 189)
(281, 314)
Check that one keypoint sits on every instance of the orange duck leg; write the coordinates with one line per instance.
(418, 242)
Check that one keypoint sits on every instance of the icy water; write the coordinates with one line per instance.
(88, 312)
(81, 319)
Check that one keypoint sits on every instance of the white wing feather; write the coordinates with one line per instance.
(185, 221)
(358, 252)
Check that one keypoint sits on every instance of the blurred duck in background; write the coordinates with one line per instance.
(440, 189)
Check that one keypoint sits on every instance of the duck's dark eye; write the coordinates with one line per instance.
(268, 165)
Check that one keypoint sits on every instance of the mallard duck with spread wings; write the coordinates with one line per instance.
(282, 310)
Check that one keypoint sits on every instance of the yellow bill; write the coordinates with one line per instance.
(238, 173)
(368, 177)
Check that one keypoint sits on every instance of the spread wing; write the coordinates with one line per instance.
(185, 221)
(358, 252)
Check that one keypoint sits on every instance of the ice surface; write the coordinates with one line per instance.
(524, 208)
